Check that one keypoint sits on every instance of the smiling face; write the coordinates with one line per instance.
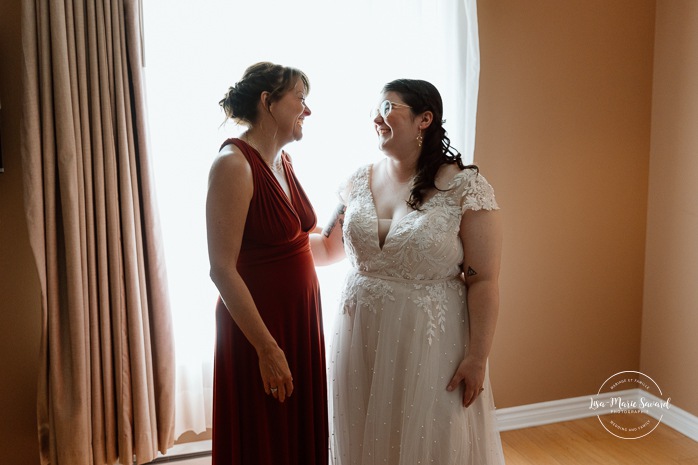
(397, 131)
(290, 111)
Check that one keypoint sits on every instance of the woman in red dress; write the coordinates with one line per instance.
(270, 395)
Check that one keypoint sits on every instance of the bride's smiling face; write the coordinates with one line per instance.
(394, 123)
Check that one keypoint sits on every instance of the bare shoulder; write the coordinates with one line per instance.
(230, 163)
(230, 178)
(446, 174)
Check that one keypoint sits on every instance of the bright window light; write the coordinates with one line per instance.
(195, 50)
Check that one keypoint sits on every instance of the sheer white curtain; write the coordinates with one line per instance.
(196, 50)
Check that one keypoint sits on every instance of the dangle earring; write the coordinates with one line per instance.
(419, 138)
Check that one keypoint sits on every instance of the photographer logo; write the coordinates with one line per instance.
(629, 405)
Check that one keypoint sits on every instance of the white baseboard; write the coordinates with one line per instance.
(544, 413)
(676, 418)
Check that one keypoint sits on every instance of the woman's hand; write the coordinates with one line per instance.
(471, 372)
(276, 374)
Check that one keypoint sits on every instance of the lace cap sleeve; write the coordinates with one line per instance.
(475, 192)
(346, 188)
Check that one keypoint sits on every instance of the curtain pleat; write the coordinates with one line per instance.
(106, 376)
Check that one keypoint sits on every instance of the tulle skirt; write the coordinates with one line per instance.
(396, 347)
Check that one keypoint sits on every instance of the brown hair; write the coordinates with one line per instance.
(436, 150)
(240, 102)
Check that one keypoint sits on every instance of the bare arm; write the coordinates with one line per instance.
(229, 192)
(328, 247)
(481, 236)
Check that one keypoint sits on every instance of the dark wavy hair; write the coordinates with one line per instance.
(422, 96)
(240, 102)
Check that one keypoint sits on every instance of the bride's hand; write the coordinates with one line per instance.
(470, 372)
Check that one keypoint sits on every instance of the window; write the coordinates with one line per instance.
(196, 50)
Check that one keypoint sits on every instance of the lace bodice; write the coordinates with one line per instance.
(424, 244)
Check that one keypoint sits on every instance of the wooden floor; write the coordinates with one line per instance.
(586, 442)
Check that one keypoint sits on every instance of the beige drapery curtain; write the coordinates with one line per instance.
(106, 381)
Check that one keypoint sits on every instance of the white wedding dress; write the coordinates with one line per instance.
(401, 335)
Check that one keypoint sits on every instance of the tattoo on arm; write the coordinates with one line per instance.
(337, 217)
(470, 272)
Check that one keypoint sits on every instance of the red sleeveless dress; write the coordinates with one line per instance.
(250, 427)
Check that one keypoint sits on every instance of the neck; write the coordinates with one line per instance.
(401, 171)
(267, 146)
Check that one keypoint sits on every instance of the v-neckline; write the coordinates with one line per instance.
(396, 223)
(288, 198)
(389, 234)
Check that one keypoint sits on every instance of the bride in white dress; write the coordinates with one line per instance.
(409, 382)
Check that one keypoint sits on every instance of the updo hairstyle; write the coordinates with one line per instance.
(240, 102)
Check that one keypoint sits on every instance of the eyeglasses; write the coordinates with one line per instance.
(385, 107)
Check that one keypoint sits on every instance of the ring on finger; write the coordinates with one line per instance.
(273, 390)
